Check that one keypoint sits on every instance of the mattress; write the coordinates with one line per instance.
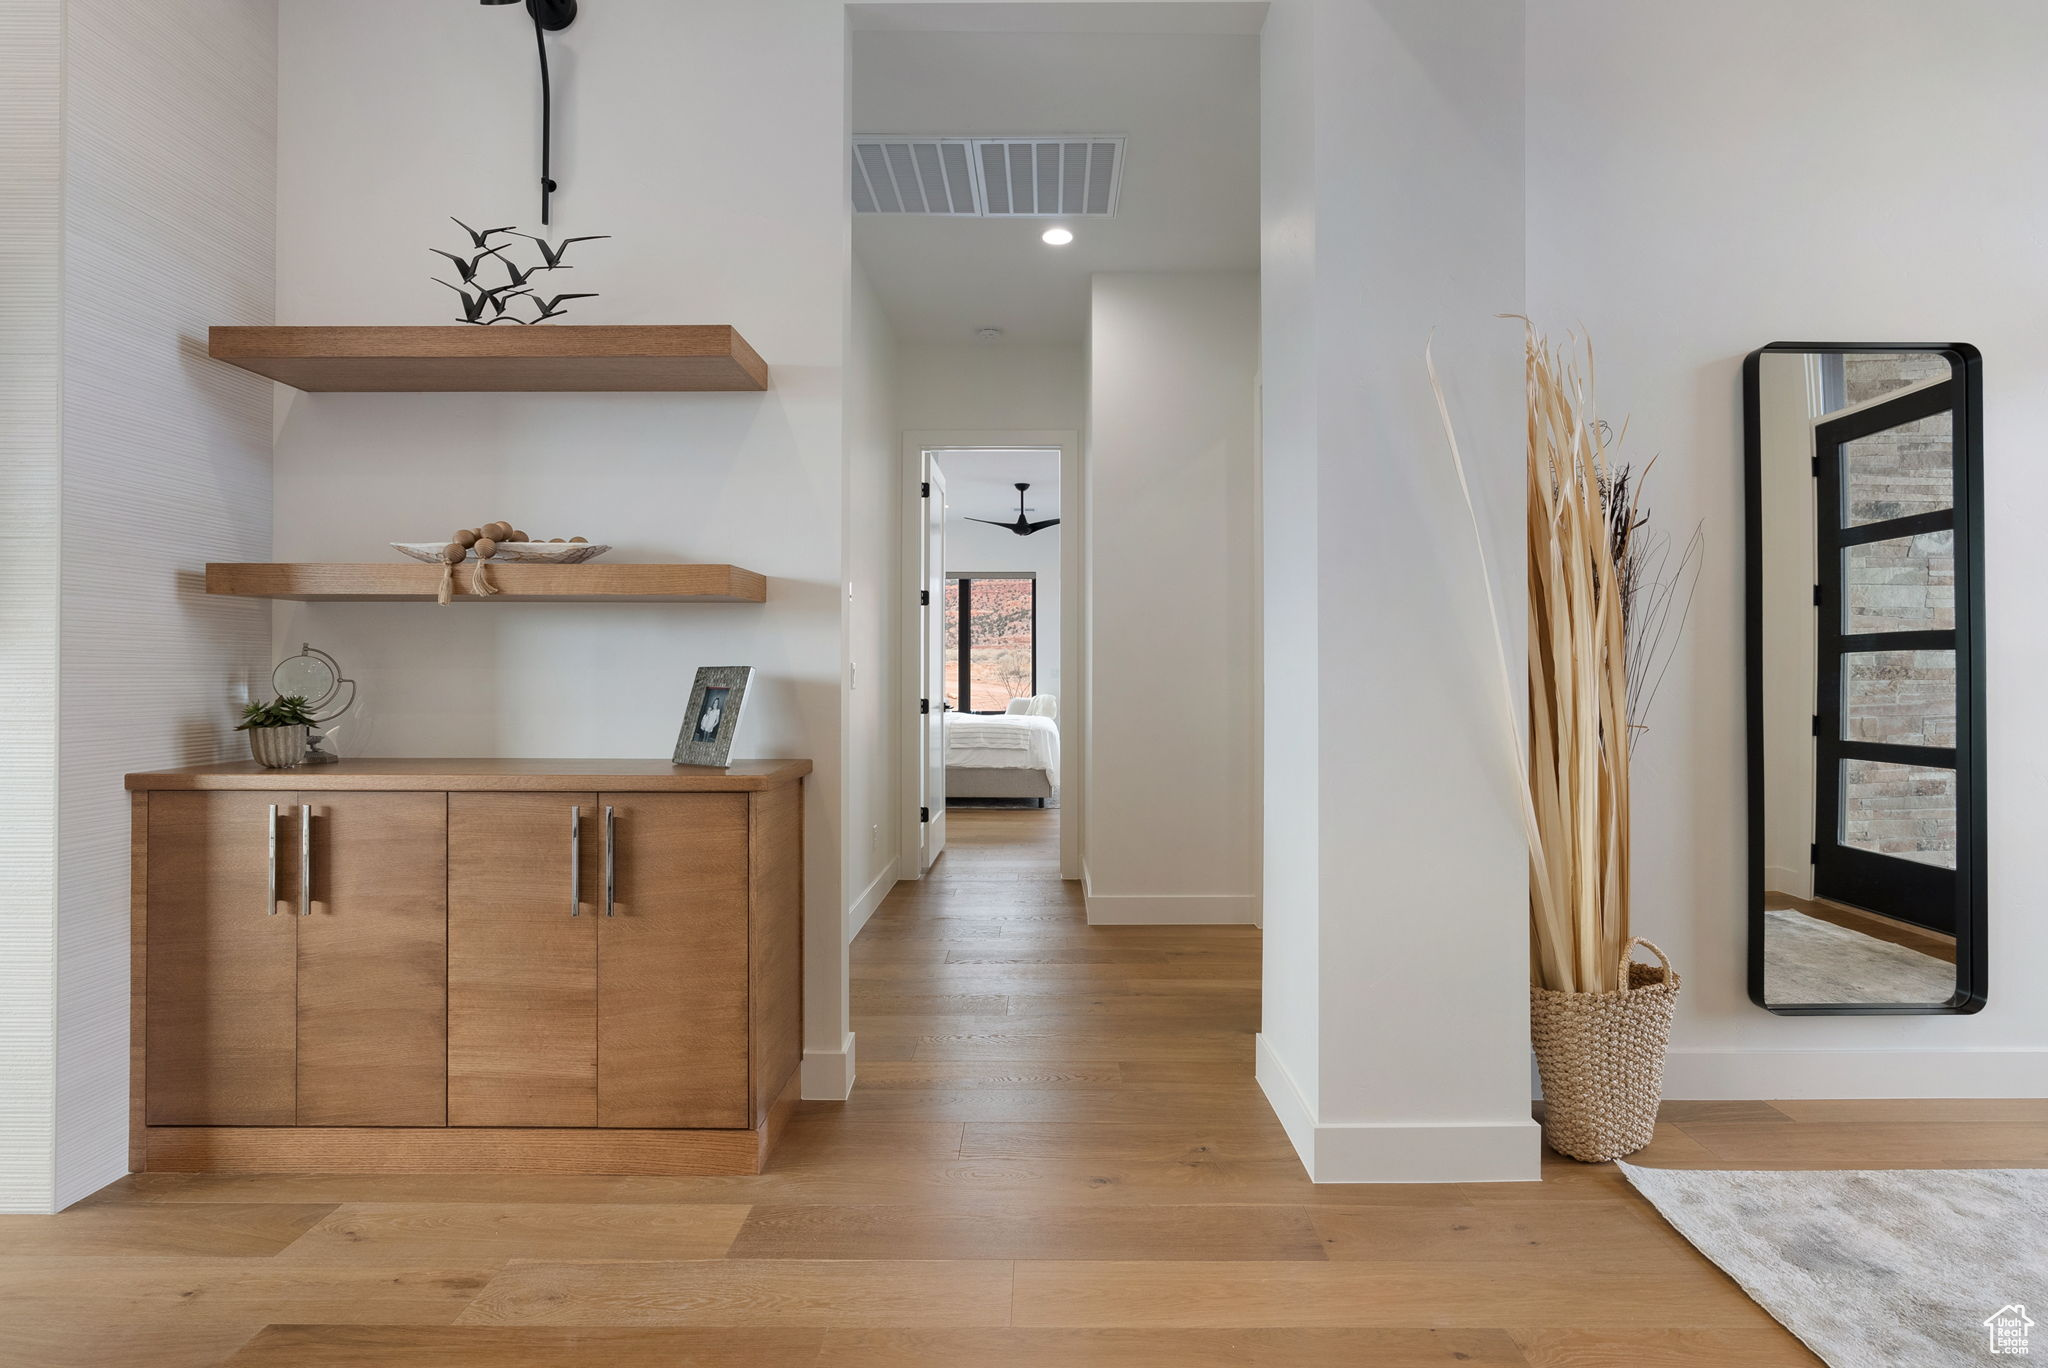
(1007, 741)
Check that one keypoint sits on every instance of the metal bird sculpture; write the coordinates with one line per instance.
(1023, 527)
(548, 307)
(479, 239)
(487, 305)
(517, 276)
(499, 296)
(552, 254)
(466, 267)
(474, 304)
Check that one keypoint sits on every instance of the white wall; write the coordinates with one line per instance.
(874, 608)
(1172, 817)
(1789, 622)
(161, 458)
(1393, 196)
(31, 335)
(1837, 171)
(993, 386)
(395, 116)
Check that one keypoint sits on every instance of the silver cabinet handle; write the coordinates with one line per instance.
(272, 906)
(575, 861)
(305, 859)
(611, 862)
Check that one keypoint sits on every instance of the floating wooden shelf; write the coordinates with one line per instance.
(399, 582)
(467, 359)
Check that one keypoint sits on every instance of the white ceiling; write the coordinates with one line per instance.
(1079, 16)
(1189, 105)
(978, 483)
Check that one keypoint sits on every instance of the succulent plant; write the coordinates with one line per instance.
(288, 711)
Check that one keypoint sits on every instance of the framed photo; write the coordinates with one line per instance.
(714, 715)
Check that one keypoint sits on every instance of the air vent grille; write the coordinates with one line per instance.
(1070, 177)
(1041, 179)
(913, 176)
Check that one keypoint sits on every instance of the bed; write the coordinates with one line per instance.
(1008, 755)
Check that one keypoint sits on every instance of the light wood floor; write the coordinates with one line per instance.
(1056, 1156)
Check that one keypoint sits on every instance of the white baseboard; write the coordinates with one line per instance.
(1426, 1152)
(827, 1074)
(1173, 909)
(1744, 1075)
(1168, 909)
(870, 898)
(1284, 1095)
(1797, 882)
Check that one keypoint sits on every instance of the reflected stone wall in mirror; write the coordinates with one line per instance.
(1865, 677)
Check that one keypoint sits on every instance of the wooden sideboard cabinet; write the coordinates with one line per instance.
(466, 966)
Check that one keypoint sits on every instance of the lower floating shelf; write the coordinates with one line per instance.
(593, 582)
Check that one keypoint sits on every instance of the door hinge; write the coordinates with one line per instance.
(924, 814)
(1816, 596)
(924, 598)
(924, 707)
(1816, 467)
(1816, 724)
(1813, 853)
(924, 490)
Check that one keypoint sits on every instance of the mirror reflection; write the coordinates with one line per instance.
(1860, 676)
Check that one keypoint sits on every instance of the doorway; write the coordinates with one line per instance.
(996, 642)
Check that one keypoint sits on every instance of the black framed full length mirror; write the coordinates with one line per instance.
(1865, 628)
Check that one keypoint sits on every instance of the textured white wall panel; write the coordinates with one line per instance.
(30, 329)
(169, 226)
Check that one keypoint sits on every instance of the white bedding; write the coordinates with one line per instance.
(1008, 741)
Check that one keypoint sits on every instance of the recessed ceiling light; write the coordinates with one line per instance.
(1056, 237)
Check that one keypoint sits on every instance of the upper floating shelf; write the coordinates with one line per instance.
(412, 582)
(468, 359)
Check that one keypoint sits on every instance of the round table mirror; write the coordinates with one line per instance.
(315, 676)
(311, 675)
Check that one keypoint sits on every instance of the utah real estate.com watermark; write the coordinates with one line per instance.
(2006, 1329)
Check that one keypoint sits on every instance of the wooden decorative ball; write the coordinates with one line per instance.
(519, 536)
(465, 539)
(486, 547)
(580, 540)
(454, 551)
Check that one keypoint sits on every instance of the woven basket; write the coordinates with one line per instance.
(1601, 1056)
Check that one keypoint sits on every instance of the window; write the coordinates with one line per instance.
(991, 623)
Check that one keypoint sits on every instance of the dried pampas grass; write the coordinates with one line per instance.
(1578, 675)
(1581, 508)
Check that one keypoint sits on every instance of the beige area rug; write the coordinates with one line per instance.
(1808, 960)
(1907, 1268)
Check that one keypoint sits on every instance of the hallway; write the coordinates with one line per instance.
(1055, 1155)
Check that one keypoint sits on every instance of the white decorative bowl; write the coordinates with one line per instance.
(536, 553)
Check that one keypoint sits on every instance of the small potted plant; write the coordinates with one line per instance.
(277, 731)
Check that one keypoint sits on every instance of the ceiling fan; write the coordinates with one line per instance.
(1023, 527)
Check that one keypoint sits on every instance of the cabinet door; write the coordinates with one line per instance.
(372, 964)
(522, 959)
(221, 960)
(672, 962)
